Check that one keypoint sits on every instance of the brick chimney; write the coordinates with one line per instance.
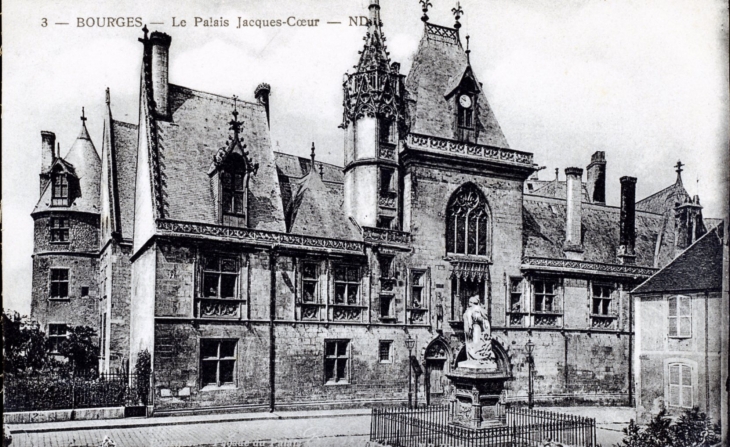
(160, 43)
(596, 172)
(48, 156)
(261, 94)
(574, 209)
(627, 224)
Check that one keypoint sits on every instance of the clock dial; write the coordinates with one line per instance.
(465, 101)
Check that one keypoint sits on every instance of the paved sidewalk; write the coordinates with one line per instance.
(291, 428)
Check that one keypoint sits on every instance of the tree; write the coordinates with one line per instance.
(24, 345)
(691, 429)
(143, 368)
(80, 350)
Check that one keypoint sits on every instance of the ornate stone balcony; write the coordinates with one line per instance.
(380, 235)
(499, 154)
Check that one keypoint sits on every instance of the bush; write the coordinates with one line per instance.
(692, 429)
(143, 368)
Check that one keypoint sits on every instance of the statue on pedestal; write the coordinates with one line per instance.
(478, 337)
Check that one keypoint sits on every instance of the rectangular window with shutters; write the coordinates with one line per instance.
(680, 385)
(218, 363)
(680, 316)
(336, 361)
(59, 284)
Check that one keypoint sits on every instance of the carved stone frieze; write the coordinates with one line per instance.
(427, 142)
(531, 262)
(371, 234)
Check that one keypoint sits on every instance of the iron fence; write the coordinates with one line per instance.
(403, 427)
(59, 392)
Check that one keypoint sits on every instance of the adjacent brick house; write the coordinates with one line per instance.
(678, 311)
(258, 279)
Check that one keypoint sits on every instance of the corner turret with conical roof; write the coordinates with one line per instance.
(66, 236)
(375, 122)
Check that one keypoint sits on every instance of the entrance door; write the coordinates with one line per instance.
(436, 367)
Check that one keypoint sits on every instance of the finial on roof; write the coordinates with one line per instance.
(108, 98)
(234, 123)
(424, 7)
(458, 12)
(468, 51)
(312, 156)
(58, 150)
(557, 171)
(83, 116)
(145, 31)
(321, 171)
(679, 171)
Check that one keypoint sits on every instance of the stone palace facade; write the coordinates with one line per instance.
(258, 279)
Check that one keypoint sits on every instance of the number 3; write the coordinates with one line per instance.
(44, 22)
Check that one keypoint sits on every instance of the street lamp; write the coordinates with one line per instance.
(530, 346)
(410, 343)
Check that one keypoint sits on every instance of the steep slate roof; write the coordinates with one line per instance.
(544, 233)
(125, 142)
(438, 66)
(84, 163)
(296, 167)
(697, 268)
(188, 142)
(555, 189)
(664, 200)
(317, 209)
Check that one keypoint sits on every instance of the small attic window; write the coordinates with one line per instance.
(59, 190)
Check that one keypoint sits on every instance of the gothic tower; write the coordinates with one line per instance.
(374, 122)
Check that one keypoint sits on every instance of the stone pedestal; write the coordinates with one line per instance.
(476, 389)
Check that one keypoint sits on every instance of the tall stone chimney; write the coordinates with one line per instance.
(261, 94)
(48, 156)
(574, 209)
(627, 224)
(596, 173)
(160, 43)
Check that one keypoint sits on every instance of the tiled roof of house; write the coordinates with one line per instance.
(84, 163)
(296, 167)
(439, 64)
(544, 233)
(316, 209)
(187, 145)
(547, 188)
(125, 142)
(698, 268)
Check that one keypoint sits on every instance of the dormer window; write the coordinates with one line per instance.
(59, 190)
(233, 195)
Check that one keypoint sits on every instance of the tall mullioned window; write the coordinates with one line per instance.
(347, 285)
(220, 275)
(59, 283)
(336, 361)
(601, 304)
(468, 229)
(545, 296)
(60, 230)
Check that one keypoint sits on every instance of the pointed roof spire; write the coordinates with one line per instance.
(424, 7)
(234, 124)
(679, 171)
(468, 51)
(84, 134)
(108, 97)
(458, 12)
(375, 54)
(312, 156)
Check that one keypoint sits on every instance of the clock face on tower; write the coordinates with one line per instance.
(465, 101)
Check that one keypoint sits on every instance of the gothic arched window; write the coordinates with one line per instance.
(468, 229)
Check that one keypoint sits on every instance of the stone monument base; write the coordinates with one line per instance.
(476, 391)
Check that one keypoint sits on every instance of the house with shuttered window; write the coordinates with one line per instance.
(678, 342)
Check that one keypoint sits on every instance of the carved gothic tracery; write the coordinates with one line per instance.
(468, 229)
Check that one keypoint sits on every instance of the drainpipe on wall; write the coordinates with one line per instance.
(272, 340)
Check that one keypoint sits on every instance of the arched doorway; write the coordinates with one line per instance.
(436, 360)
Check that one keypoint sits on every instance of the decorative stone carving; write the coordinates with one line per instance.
(219, 308)
(427, 142)
(588, 266)
(340, 313)
(371, 234)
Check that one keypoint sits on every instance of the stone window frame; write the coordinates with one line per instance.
(218, 359)
(347, 284)
(205, 270)
(333, 361)
(60, 190)
(234, 307)
(537, 291)
(675, 321)
(60, 281)
(549, 318)
(56, 336)
(387, 344)
(315, 280)
(465, 200)
(60, 229)
(606, 318)
(388, 282)
(684, 365)
(516, 295)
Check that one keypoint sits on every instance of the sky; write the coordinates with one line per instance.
(646, 81)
